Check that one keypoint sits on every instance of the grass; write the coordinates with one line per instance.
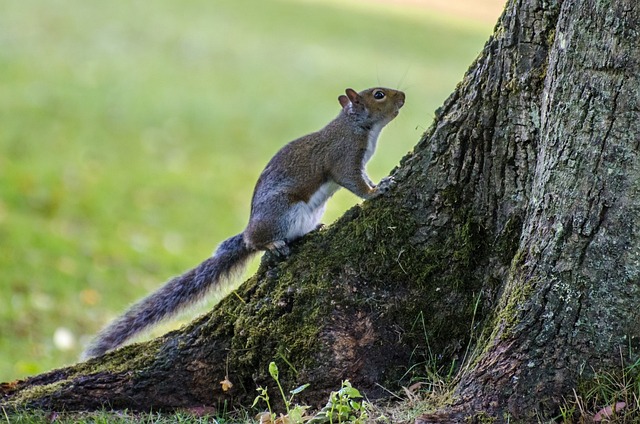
(131, 134)
(608, 397)
(122, 417)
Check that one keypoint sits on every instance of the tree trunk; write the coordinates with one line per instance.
(511, 242)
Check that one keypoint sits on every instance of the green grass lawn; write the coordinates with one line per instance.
(131, 134)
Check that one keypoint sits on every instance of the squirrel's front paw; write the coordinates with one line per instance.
(386, 184)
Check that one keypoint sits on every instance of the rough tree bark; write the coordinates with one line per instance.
(512, 241)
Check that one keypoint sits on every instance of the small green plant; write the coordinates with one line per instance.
(295, 413)
(263, 396)
(344, 406)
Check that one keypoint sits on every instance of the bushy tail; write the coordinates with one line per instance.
(174, 296)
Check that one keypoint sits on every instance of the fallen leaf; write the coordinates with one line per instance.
(226, 384)
(608, 411)
(264, 418)
(201, 411)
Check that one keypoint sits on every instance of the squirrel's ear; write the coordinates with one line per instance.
(343, 101)
(352, 95)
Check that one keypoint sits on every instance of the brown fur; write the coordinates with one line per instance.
(288, 202)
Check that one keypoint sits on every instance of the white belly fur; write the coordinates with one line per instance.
(372, 141)
(305, 216)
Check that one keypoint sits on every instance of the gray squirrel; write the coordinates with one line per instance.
(288, 202)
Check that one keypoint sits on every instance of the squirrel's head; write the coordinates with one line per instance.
(373, 105)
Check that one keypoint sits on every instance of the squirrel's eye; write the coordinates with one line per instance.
(378, 95)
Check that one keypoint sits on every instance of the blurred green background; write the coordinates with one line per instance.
(132, 132)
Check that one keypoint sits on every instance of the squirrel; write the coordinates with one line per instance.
(288, 202)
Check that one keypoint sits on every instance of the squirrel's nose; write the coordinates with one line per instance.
(401, 99)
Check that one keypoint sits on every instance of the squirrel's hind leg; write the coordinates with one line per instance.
(279, 248)
(262, 236)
